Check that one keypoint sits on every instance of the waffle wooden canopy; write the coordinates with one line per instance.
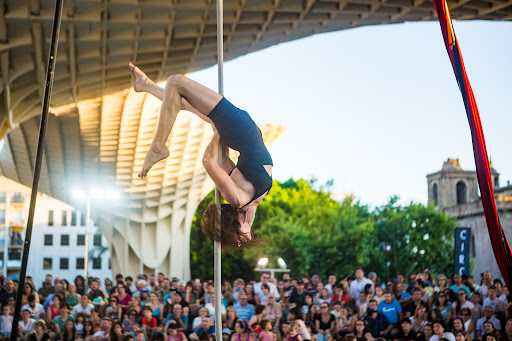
(99, 38)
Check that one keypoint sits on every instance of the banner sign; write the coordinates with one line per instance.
(462, 240)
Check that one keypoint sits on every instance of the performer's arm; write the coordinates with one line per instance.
(229, 189)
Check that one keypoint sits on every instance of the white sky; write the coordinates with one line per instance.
(377, 108)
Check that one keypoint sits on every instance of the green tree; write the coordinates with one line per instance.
(413, 238)
(317, 235)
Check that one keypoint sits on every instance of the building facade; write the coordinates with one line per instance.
(455, 191)
(58, 238)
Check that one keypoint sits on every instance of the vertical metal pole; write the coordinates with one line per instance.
(7, 222)
(87, 223)
(39, 160)
(218, 197)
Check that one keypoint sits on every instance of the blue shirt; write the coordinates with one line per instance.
(244, 313)
(391, 310)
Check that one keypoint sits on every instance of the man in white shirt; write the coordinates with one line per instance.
(36, 309)
(265, 277)
(358, 284)
(85, 307)
(211, 309)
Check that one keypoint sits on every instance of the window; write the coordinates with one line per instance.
(64, 221)
(64, 240)
(461, 193)
(82, 219)
(80, 263)
(434, 193)
(48, 239)
(47, 264)
(96, 263)
(64, 263)
(97, 240)
(17, 198)
(2, 197)
(2, 216)
(14, 254)
(80, 240)
(50, 218)
(73, 218)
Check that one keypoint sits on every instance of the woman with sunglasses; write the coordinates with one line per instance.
(469, 324)
(462, 302)
(324, 322)
(130, 320)
(361, 333)
(87, 333)
(443, 305)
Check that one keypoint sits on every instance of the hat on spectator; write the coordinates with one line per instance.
(144, 290)
(41, 322)
(271, 295)
(441, 276)
(300, 282)
(226, 331)
(372, 274)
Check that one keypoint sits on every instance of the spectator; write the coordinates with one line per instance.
(417, 300)
(27, 324)
(29, 289)
(231, 317)
(69, 332)
(266, 333)
(87, 334)
(427, 333)
(54, 309)
(244, 310)
(441, 303)
(206, 328)
(469, 324)
(331, 285)
(460, 335)
(420, 319)
(440, 332)
(442, 282)
(6, 322)
(46, 289)
(211, 309)
(106, 326)
(242, 332)
(392, 310)
(178, 317)
(462, 302)
(85, 307)
(486, 283)
(273, 311)
(358, 284)
(114, 311)
(199, 319)
(458, 324)
(406, 333)
(294, 333)
(40, 332)
(507, 336)
(489, 337)
(264, 279)
(296, 316)
(298, 296)
(73, 298)
(36, 309)
(488, 317)
(489, 328)
(156, 307)
(258, 316)
(7, 292)
(60, 321)
(376, 322)
(80, 285)
(59, 290)
(130, 321)
(361, 333)
(493, 301)
(457, 285)
(324, 322)
(123, 297)
(171, 333)
(253, 299)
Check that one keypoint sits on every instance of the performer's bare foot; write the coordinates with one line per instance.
(154, 155)
(142, 82)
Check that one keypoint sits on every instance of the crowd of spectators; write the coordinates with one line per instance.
(357, 308)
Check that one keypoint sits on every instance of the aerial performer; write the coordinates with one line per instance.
(243, 185)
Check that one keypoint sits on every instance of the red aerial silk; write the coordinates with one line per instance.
(499, 241)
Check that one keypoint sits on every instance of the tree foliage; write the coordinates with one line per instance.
(314, 234)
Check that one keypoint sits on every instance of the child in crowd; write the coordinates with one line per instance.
(266, 334)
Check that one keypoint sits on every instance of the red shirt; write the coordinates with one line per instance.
(151, 322)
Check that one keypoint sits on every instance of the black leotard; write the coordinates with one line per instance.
(239, 132)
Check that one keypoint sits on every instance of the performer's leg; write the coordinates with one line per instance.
(177, 86)
(144, 84)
